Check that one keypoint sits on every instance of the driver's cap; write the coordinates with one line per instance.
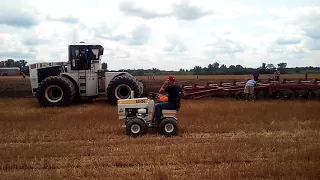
(171, 78)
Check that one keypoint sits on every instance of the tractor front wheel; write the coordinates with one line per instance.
(56, 91)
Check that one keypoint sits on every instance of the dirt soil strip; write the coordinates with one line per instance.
(15, 87)
(20, 88)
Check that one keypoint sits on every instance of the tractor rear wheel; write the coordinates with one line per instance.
(135, 128)
(56, 91)
(120, 88)
(169, 127)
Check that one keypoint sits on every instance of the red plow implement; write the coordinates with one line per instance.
(270, 89)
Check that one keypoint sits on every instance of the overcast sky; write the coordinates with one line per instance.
(148, 33)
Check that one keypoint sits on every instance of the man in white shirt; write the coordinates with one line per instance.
(249, 88)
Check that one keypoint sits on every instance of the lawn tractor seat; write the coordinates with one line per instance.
(171, 111)
(179, 104)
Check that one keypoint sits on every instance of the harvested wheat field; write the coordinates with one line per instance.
(219, 139)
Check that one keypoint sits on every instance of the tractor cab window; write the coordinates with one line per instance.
(80, 57)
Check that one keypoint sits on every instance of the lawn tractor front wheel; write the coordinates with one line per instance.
(135, 128)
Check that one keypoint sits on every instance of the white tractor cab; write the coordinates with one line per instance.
(81, 77)
(137, 114)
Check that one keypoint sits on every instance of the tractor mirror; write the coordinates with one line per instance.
(101, 51)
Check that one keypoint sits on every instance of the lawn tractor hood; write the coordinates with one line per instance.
(128, 107)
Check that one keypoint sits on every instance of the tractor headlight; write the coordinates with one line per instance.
(142, 111)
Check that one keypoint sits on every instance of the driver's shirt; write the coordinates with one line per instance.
(173, 92)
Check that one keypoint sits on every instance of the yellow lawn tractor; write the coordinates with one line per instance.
(138, 114)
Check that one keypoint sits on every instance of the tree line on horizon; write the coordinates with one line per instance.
(22, 64)
(217, 69)
(211, 69)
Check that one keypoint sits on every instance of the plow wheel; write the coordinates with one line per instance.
(284, 94)
(302, 94)
(316, 94)
(252, 97)
(240, 95)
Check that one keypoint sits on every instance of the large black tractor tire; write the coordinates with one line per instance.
(56, 91)
(135, 128)
(120, 88)
(169, 127)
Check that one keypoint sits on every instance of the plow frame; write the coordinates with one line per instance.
(285, 89)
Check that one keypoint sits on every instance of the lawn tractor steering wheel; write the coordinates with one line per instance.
(157, 97)
(153, 96)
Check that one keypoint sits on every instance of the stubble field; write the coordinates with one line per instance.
(219, 139)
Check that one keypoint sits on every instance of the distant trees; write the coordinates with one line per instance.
(282, 65)
(13, 63)
(22, 64)
(212, 69)
(217, 69)
(270, 66)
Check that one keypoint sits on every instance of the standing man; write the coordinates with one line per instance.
(256, 76)
(306, 76)
(277, 75)
(249, 88)
(174, 96)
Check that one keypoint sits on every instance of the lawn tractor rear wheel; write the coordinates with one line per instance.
(135, 128)
(120, 88)
(56, 91)
(169, 127)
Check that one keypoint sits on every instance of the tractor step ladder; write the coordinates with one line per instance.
(82, 83)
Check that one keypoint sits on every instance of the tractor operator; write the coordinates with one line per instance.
(174, 96)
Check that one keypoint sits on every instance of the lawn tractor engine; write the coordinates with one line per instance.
(81, 77)
(137, 114)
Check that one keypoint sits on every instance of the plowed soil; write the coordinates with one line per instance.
(19, 87)
(15, 87)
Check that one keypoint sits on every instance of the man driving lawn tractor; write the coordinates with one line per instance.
(172, 101)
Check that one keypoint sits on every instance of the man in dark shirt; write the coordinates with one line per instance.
(174, 96)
